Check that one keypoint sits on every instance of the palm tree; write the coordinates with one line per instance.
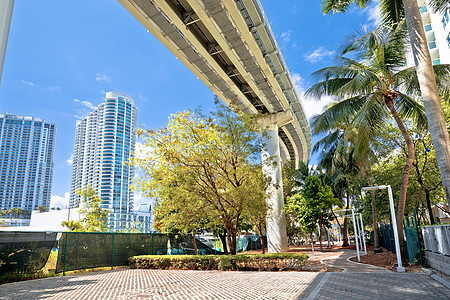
(393, 11)
(369, 80)
(440, 6)
(343, 162)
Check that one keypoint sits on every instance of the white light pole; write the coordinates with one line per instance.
(363, 234)
(400, 268)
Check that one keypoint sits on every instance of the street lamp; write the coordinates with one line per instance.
(400, 268)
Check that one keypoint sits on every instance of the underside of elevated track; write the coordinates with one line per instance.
(229, 45)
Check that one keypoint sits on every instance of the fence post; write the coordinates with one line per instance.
(65, 254)
(152, 245)
(418, 237)
(112, 252)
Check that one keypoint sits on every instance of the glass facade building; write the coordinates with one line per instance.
(26, 162)
(104, 142)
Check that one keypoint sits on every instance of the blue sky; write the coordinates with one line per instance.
(62, 57)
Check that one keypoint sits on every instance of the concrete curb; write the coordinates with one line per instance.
(436, 277)
(319, 286)
(370, 266)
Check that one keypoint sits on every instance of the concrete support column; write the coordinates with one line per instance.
(271, 161)
(6, 9)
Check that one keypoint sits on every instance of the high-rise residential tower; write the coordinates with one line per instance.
(26, 162)
(104, 141)
(437, 30)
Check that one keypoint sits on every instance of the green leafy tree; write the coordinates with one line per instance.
(313, 206)
(94, 217)
(42, 208)
(206, 159)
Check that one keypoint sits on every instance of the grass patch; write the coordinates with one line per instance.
(258, 262)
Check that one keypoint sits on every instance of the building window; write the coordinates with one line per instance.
(436, 62)
(423, 9)
(428, 27)
(432, 45)
(445, 19)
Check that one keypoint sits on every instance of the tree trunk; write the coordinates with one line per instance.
(428, 87)
(312, 242)
(223, 239)
(406, 171)
(263, 248)
(430, 211)
(195, 244)
(320, 233)
(376, 242)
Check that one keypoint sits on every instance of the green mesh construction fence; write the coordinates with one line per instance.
(25, 252)
(412, 248)
(250, 242)
(83, 250)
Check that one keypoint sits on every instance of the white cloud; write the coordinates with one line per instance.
(317, 55)
(85, 103)
(286, 36)
(29, 83)
(312, 106)
(102, 77)
(55, 88)
(142, 98)
(70, 160)
(373, 14)
(61, 202)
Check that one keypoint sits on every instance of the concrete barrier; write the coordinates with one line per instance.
(437, 247)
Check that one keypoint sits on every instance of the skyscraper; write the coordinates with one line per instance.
(26, 162)
(104, 140)
(437, 30)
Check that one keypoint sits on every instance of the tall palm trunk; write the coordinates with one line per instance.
(428, 87)
(406, 170)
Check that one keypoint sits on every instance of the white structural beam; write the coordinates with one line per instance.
(6, 9)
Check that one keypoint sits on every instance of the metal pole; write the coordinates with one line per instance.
(358, 226)
(356, 234)
(363, 234)
(400, 268)
(6, 9)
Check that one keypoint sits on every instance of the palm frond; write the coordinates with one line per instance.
(338, 113)
(439, 6)
(392, 12)
(408, 107)
(340, 6)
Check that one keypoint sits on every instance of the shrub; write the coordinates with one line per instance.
(260, 262)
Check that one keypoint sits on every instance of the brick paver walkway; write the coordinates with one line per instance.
(176, 284)
(340, 260)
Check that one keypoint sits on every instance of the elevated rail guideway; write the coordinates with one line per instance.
(229, 46)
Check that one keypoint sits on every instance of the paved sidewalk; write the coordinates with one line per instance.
(341, 260)
(177, 284)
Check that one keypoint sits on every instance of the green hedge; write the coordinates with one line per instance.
(259, 262)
